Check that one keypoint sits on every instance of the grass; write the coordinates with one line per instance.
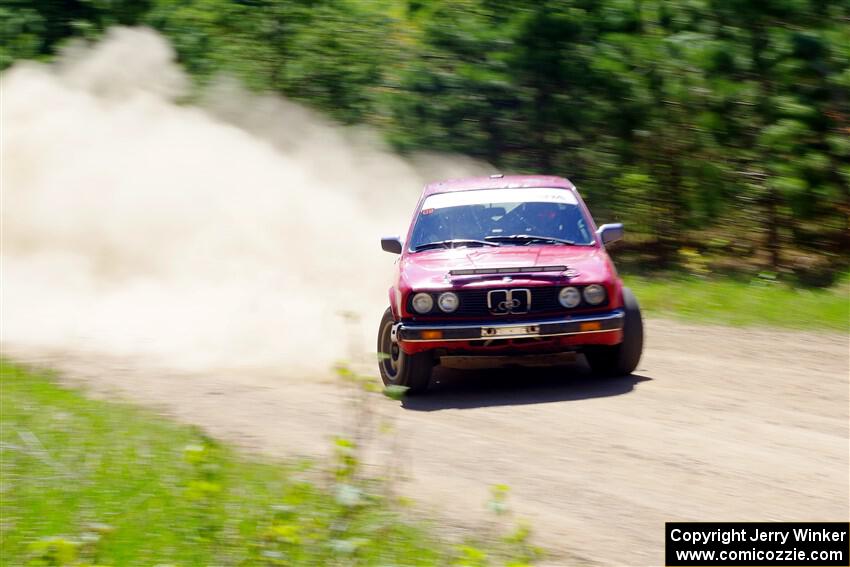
(731, 302)
(88, 482)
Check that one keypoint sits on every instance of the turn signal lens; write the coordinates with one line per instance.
(432, 335)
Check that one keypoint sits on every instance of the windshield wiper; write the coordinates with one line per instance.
(453, 243)
(528, 238)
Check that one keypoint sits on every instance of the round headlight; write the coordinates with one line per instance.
(423, 303)
(448, 301)
(594, 294)
(569, 297)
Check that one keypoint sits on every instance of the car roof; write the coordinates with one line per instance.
(496, 182)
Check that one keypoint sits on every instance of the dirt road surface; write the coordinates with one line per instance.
(716, 424)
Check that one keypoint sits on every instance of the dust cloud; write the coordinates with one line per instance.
(231, 232)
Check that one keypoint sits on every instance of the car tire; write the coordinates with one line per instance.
(621, 359)
(397, 368)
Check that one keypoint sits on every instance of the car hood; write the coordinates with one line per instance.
(430, 269)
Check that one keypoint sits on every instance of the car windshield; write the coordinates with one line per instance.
(508, 217)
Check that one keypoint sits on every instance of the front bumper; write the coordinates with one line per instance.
(496, 331)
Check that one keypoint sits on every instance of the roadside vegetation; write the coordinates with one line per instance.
(88, 482)
(717, 131)
(719, 126)
(761, 301)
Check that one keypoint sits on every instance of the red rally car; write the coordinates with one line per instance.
(511, 267)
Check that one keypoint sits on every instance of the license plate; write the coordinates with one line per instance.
(509, 331)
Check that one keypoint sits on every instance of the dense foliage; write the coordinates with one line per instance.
(717, 127)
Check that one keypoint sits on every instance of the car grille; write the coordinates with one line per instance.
(473, 303)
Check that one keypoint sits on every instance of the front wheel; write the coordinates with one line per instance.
(398, 368)
(621, 359)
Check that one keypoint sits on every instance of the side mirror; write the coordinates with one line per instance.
(610, 233)
(391, 244)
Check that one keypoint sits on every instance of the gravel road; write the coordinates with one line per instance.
(717, 423)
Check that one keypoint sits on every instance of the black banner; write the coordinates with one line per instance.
(757, 544)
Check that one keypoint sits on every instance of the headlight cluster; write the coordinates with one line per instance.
(594, 294)
(448, 302)
(570, 297)
(423, 302)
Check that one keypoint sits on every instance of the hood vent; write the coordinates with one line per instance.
(503, 271)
